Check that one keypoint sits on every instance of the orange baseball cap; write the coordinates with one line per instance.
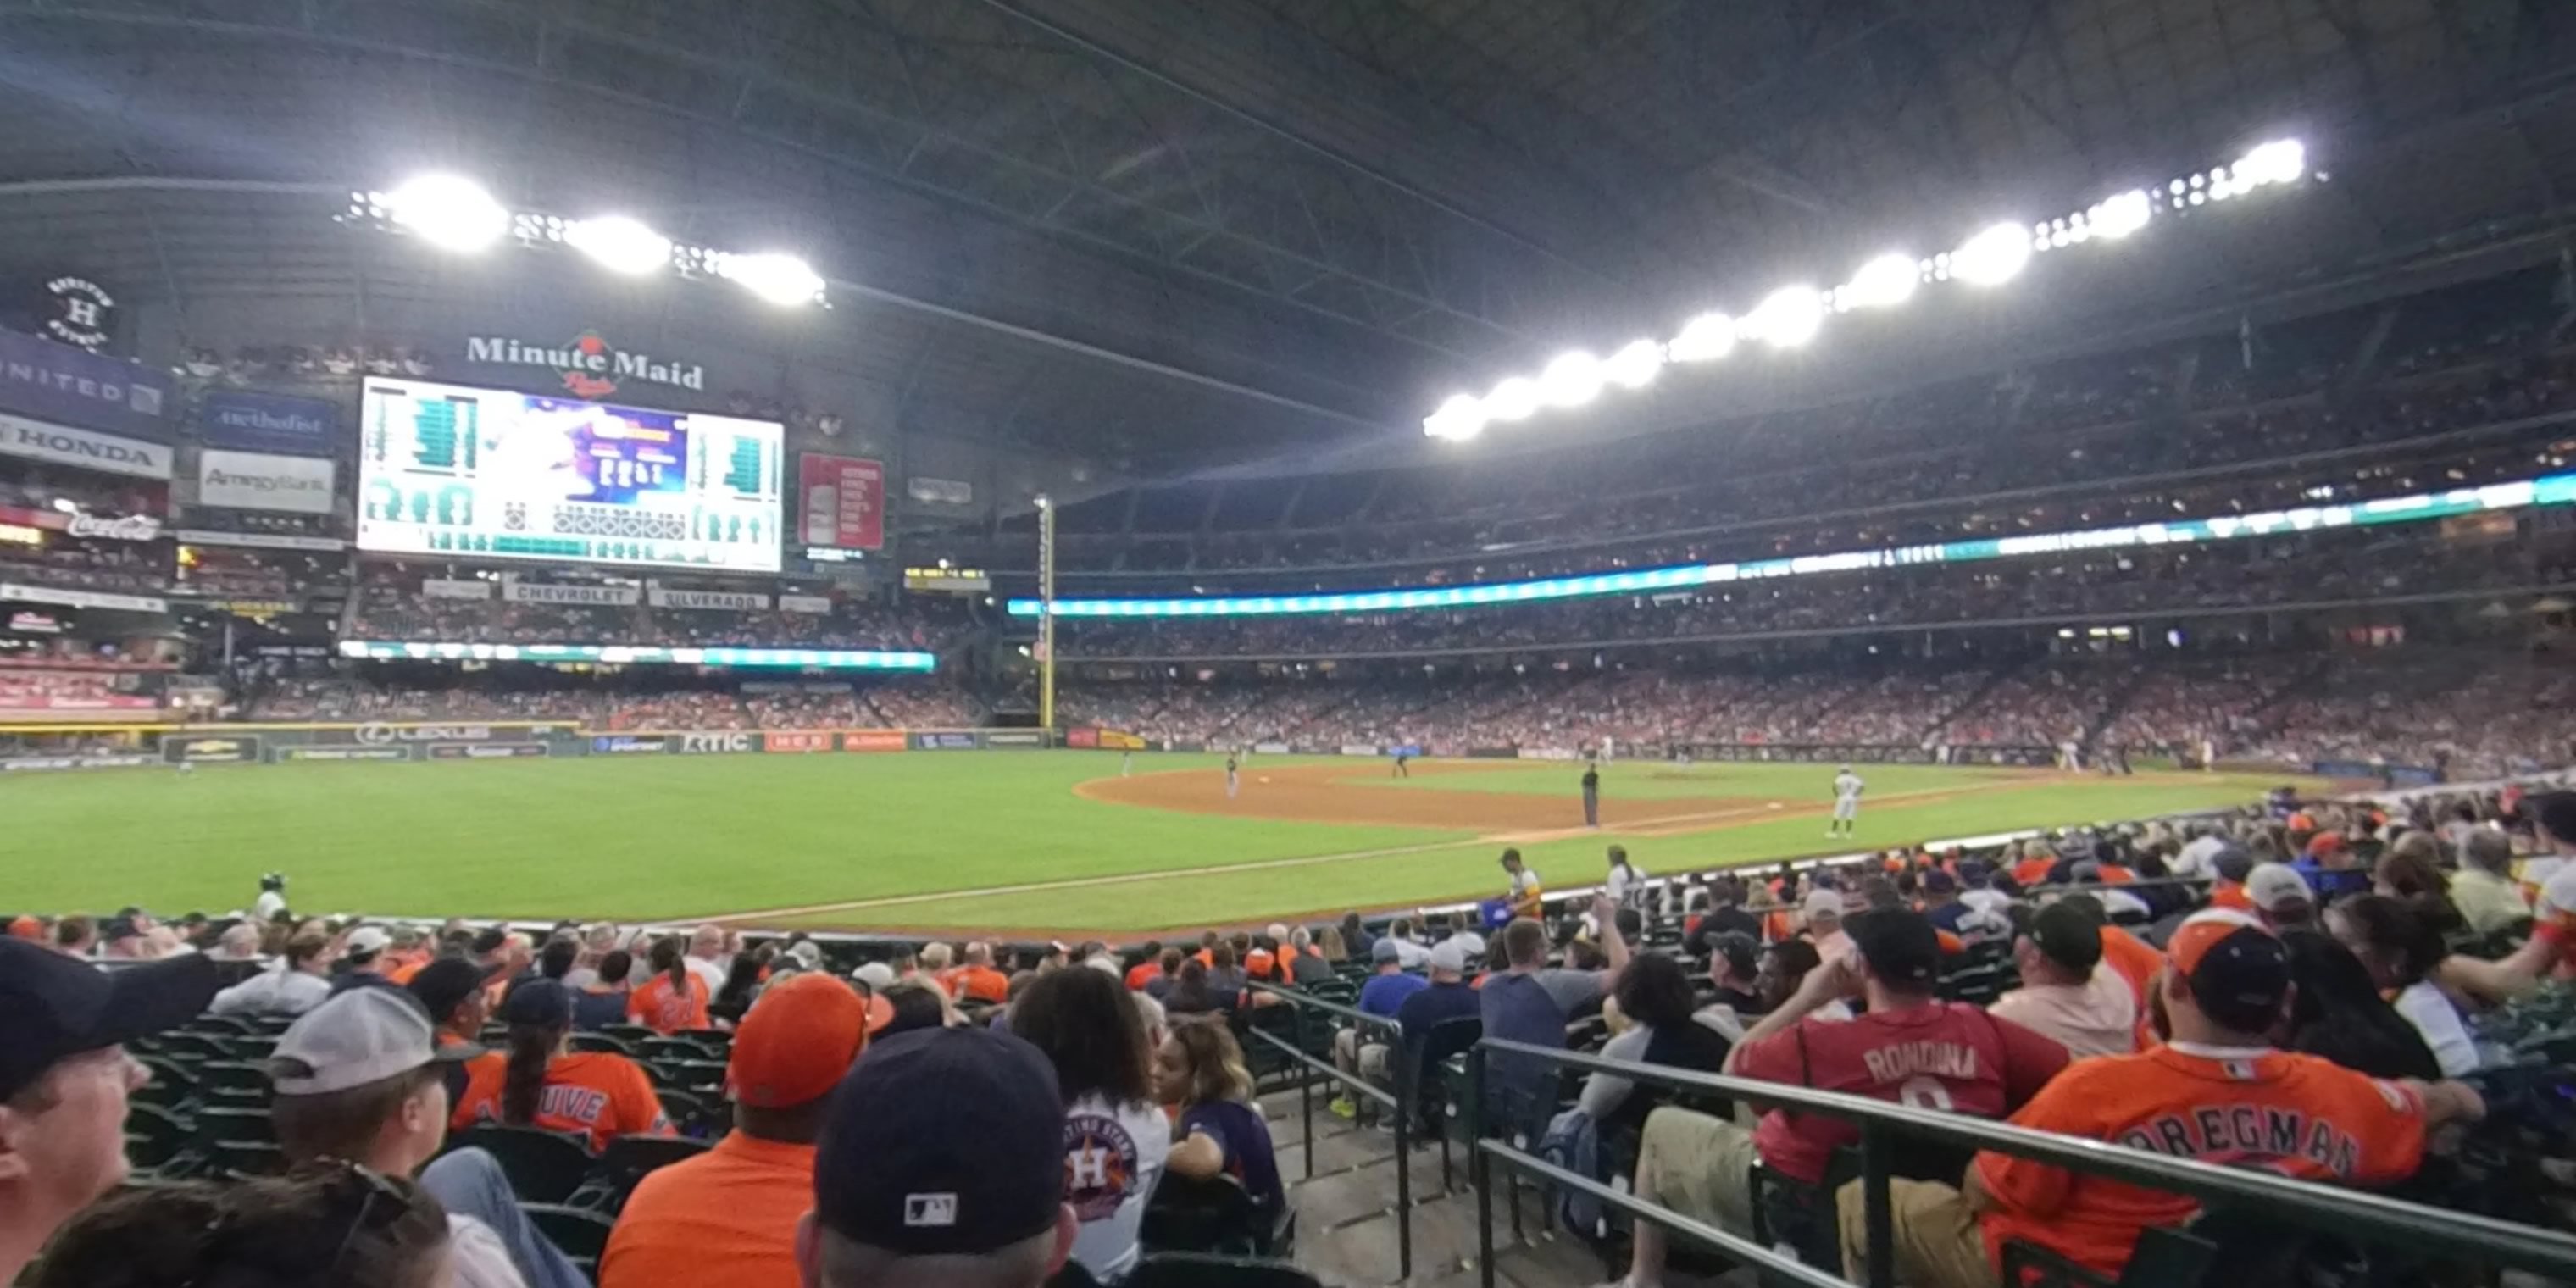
(797, 1042)
(2239, 970)
(26, 928)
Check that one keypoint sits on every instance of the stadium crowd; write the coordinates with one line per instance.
(718, 1108)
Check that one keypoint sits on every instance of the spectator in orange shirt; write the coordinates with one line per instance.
(542, 1082)
(977, 980)
(1149, 965)
(727, 1218)
(2036, 862)
(2217, 1092)
(2229, 868)
(674, 998)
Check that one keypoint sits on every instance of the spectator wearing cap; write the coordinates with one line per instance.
(64, 1079)
(1910, 1047)
(2202, 1095)
(1116, 1138)
(1148, 967)
(1447, 996)
(1823, 911)
(1941, 901)
(965, 1186)
(728, 1218)
(294, 984)
(2228, 868)
(359, 1078)
(451, 989)
(2281, 896)
(366, 960)
(123, 939)
(1530, 1003)
(1365, 1053)
(542, 1082)
(2065, 995)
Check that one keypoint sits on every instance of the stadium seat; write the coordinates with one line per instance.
(2163, 1258)
(233, 1082)
(1189, 1215)
(1201, 1270)
(217, 1123)
(154, 1136)
(629, 1033)
(579, 1233)
(627, 1161)
(241, 1159)
(543, 1166)
(599, 1042)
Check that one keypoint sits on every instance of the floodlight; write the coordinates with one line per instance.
(448, 212)
(1634, 365)
(1992, 257)
(1883, 282)
(779, 279)
(1514, 399)
(2279, 161)
(1703, 339)
(2119, 216)
(620, 244)
(1787, 317)
(1459, 419)
(1571, 380)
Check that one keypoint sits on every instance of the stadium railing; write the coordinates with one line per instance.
(2357, 1215)
(1400, 1102)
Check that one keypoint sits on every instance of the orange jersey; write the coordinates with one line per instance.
(665, 1010)
(2138, 964)
(725, 1219)
(2224, 893)
(598, 1093)
(2301, 1116)
(979, 984)
(2031, 872)
(1140, 975)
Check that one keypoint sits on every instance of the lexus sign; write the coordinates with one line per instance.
(378, 734)
(256, 481)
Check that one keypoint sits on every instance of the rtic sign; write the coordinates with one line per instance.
(696, 744)
(590, 367)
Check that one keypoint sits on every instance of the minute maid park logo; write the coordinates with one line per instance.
(590, 366)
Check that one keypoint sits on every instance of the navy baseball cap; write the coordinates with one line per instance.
(444, 983)
(943, 1142)
(54, 1007)
(537, 1001)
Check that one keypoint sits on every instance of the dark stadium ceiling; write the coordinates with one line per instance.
(1177, 232)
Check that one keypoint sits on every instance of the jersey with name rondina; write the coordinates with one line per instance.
(601, 1094)
(1940, 1055)
(2301, 1116)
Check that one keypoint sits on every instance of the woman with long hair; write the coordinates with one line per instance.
(1330, 943)
(2400, 948)
(2339, 1014)
(542, 1082)
(1356, 940)
(1200, 1071)
(674, 998)
(1654, 995)
(741, 986)
(1114, 1136)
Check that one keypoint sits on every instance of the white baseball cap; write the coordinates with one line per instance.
(876, 975)
(369, 939)
(1824, 903)
(1449, 955)
(362, 1036)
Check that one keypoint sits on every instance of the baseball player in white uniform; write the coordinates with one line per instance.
(1847, 789)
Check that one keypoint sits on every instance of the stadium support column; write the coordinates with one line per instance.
(1046, 615)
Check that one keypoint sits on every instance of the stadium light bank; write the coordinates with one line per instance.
(458, 215)
(1792, 316)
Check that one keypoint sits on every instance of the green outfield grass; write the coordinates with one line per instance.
(1653, 780)
(686, 837)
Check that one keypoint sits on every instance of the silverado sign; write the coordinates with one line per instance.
(589, 366)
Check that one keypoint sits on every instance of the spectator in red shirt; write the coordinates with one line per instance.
(1148, 966)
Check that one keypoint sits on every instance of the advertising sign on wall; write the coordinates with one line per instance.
(71, 387)
(841, 502)
(254, 422)
(236, 749)
(873, 740)
(726, 601)
(63, 445)
(539, 592)
(700, 744)
(798, 741)
(260, 481)
(455, 588)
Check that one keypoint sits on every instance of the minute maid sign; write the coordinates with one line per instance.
(590, 366)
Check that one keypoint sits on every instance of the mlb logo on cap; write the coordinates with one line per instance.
(930, 1209)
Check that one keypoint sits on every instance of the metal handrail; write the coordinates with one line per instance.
(1400, 1102)
(2358, 1214)
(1303, 998)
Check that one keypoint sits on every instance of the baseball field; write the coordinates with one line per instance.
(1015, 842)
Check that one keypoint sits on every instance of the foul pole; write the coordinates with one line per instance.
(1046, 615)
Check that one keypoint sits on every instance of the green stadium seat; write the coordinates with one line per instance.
(233, 1082)
(1201, 1270)
(154, 1136)
(579, 1233)
(543, 1166)
(625, 1163)
(599, 1042)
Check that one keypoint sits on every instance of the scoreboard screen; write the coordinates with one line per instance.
(459, 471)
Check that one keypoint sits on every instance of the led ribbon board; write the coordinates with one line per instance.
(825, 659)
(2554, 489)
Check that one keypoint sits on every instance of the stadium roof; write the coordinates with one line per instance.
(1180, 233)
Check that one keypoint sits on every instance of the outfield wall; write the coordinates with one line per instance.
(409, 740)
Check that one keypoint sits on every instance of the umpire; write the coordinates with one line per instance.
(1592, 794)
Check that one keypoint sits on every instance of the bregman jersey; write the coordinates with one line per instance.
(2298, 1115)
(599, 1093)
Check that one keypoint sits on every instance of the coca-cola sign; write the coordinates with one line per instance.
(131, 527)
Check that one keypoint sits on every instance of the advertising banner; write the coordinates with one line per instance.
(815, 604)
(629, 745)
(718, 743)
(940, 491)
(1547, 753)
(119, 702)
(1358, 749)
(538, 592)
(726, 600)
(63, 445)
(379, 733)
(254, 422)
(1118, 740)
(842, 502)
(944, 741)
(93, 760)
(797, 741)
(873, 740)
(255, 481)
(485, 750)
(258, 540)
(1084, 737)
(56, 382)
(1493, 753)
(1015, 739)
(455, 588)
(344, 753)
(213, 749)
(82, 598)
(1270, 749)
